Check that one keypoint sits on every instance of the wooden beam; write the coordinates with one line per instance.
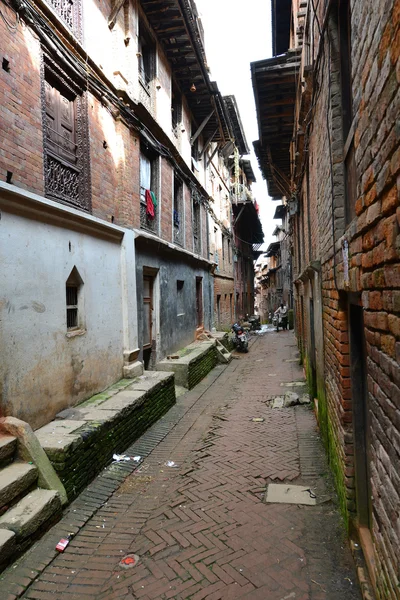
(208, 142)
(201, 127)
(213, 154)
(114, 13)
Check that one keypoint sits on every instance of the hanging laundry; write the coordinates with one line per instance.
(153, 197)
(150, 212)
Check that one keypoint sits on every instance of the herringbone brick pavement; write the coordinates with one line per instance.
(202, 530)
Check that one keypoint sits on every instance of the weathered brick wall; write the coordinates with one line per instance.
(21, 151)
(374, 268)
(166, 205)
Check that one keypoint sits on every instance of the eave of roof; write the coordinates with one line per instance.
(248, 226)
(236, 123)
(178, 29)
(273, 249)
(274, 85)
(248, 170)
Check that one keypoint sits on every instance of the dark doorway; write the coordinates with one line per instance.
(199, 302)
(312, 358)
(148, 284)
(360, 413)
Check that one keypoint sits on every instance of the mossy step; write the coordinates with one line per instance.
(14, 480)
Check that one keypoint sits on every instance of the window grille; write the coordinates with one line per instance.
(196, 228)
(178, 212)
(69, 11)
(72, 306)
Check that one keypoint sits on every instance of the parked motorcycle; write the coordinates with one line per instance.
(254, 322)
(240, 338)
(280, 321)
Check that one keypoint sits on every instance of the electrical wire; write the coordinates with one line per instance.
(10, 26)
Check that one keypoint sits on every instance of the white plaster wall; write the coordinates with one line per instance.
(42, 371)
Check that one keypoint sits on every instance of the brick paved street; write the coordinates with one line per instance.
(202, 530)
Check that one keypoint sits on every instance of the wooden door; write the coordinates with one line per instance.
(199, 301)
(148, 283)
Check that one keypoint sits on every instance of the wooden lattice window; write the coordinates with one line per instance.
(146, 57)
(66, 148)
(196, 226)
(70, 13)
(178, 212)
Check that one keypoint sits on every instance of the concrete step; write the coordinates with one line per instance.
(31, 513)
(15, 480)
(224, 355)
(8, 446)
(7, 545)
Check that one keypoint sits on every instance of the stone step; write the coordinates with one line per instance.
(15, 480)
(7, 545)
(8, 446)
(31, 513)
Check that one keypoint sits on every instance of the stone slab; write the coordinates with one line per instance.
(7, 545)
(8, 445)
(278, 402)
(280, 493)
(30, 450)
(124, 400)
(15, 479)
(26, 517)
(146, 382)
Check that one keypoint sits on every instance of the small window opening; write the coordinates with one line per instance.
(180, 298)
(73, 300)
(9, 177)
(72, 306)
(6, 65)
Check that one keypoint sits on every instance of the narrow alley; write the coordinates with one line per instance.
(193, 514)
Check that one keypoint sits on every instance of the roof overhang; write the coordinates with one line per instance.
(178, 28)
(236, 124)
(247, 223)
(274, 85)
(273, 249)
(248, 170)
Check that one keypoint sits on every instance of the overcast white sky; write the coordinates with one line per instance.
(238, 32)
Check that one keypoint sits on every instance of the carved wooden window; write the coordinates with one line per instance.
(60, 124)
(176, 107)
(196, 226)
(66, 151)
(146, 57)
(178, 211)
(70, 13)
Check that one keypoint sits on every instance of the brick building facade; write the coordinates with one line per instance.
(107, 126)
(333, 88)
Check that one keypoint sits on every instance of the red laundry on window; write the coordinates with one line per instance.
(150, 212)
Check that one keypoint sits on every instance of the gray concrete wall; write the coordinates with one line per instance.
(172, 328)
(43, 369)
